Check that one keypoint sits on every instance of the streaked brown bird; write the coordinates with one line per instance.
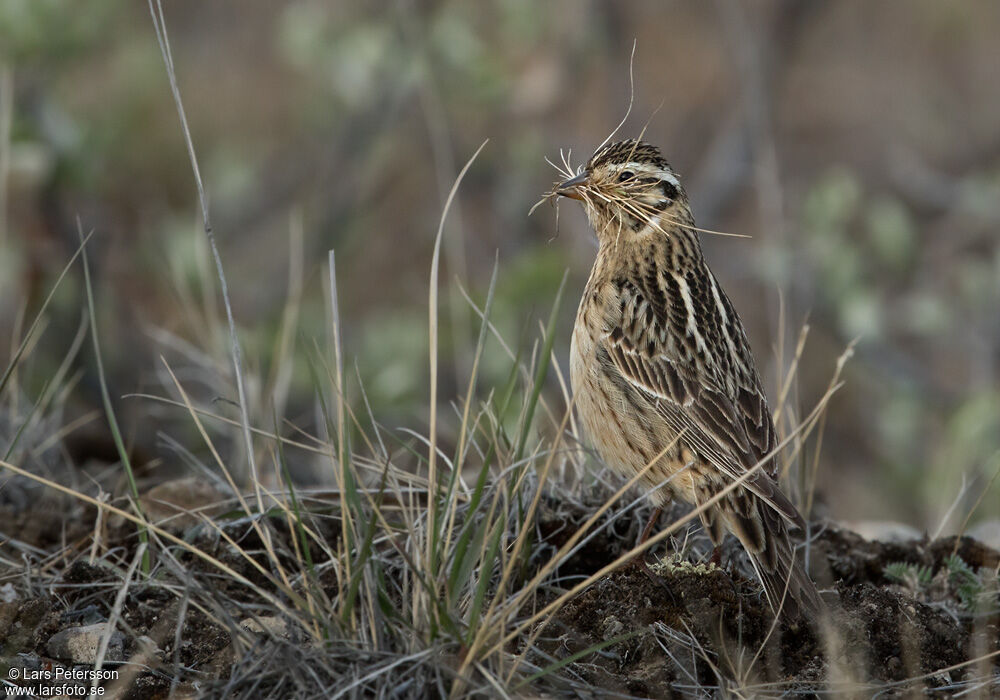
(662, 371)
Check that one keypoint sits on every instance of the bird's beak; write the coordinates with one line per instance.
(571, 188)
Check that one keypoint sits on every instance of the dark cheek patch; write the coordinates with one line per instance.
(669, 190)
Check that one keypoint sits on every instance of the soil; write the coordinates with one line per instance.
(901, 616)
(692, 628)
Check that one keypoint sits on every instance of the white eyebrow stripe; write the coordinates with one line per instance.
(662, 174)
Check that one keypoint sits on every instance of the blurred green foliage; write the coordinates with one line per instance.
(865, 250)
(356, 117)
(34, 30)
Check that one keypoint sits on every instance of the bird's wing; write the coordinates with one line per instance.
(695, 365)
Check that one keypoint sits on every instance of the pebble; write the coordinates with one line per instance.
(175, 504)
(79, 645)
(7, 593)
(267, 623)
(885, 531)
(987, 532)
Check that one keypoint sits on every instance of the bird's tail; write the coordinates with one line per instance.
(788, 588)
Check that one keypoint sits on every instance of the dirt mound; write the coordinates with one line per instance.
(901, 615)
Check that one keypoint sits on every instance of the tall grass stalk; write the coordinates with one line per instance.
(432, 303)
(159, 25)
(109, 412)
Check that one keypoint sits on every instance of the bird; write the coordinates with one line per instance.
(662, 372)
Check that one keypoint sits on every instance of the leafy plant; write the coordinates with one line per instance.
(970, 586)
(913, 576)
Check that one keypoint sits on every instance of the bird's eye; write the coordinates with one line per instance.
(627, 175)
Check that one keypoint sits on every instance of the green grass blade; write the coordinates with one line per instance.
(38, 317)
(27, 421)
(541, 371)
(484, 579)
(300, 531)
(464, 560)
(563, 663)
(110, 411)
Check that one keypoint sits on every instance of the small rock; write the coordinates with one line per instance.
(611, 627)
(18, 622)
(884, 531)
(268, 623)
(147, 647)
(147, 643)
(8, 615)
(987, 532)
(79, 645)
(175, 504)
(32, 662)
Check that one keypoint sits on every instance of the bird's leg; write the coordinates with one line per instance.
(639, 561)
(649, 526)
(716, 557)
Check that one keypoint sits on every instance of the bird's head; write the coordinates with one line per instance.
(628, 187)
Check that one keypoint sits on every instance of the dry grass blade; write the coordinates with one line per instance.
(116, 610)
(979, 500)
(159, 25)
(547, 611)
(31, 335)
(432, 477)
(488, 630)
(6, 120)
(231, 573)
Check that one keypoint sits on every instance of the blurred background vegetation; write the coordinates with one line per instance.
(857, 143)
